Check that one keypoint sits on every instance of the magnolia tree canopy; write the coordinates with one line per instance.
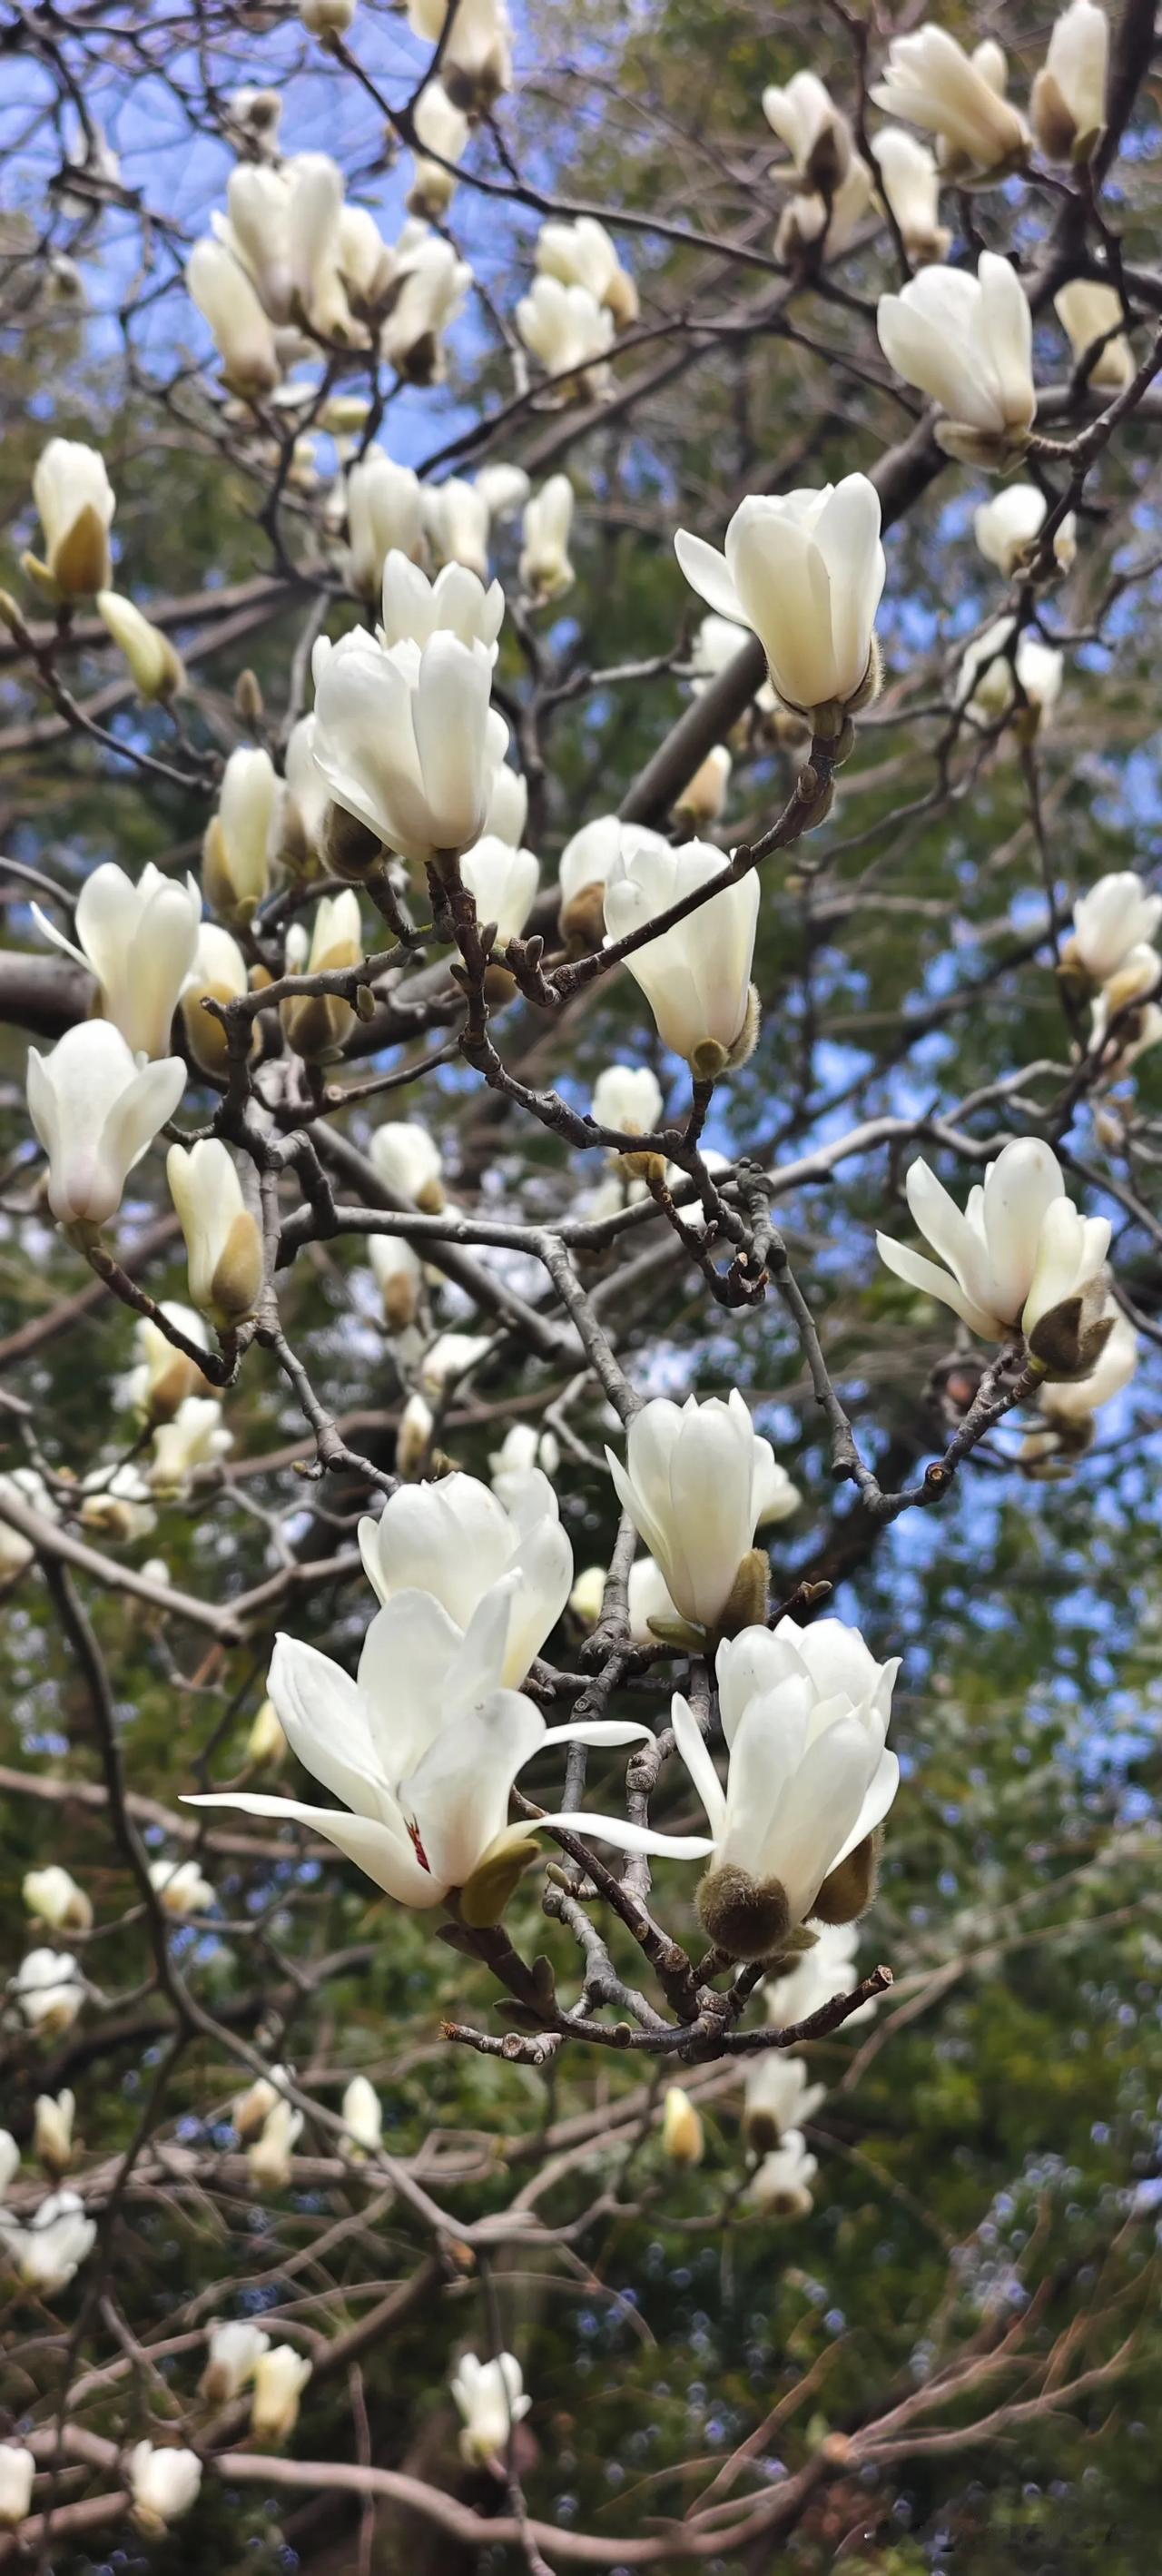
(580, 1237)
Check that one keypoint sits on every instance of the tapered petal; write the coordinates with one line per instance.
(324, 1716)
(934, 1282)
(708, 573)
(692, 1746)
(459, 1792)
(384, 1855)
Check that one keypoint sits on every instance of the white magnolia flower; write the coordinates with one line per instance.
(1087, 311)
(1020, 1250)
(1068, 104)
(96, 1111)
(196, 1436)
(17, 2471)
(255, 230)
(456, 1541)
(25, 1488)
(236, 849)
(695, 975)
(986, 686)
(805, 571)
(502, 882)
(570, 332)
(243, 332)
(117, 1502)
(717, 644)
(181, 1887)
(819, 1974)
(1116, 916)
(223, 1243)
(628, 1097)
(279, 2380)
(778, 1496)
(140, 942)
(832, 221)
(588, 1595)
(317, 1025)
(455, 603)
(1138, 977)
(524, 1453)
(163, 1377)
(808, 123)
(75, 503)
(583, 872)
(584, 254)
(163, 2484)
(683, 2137)
(692, 1483)
(779, 2096)
(249, 2110)
(489, 2398)
(434, 285)
(236, 2348)
(476, 64)
(649, 1602)
(399, 1277)
(910, 181)
(456, 517)
(269, 2157)
(407, 740)
(929, 81)
(52, 2136)
(968, 342)
(47, 2253)
(155, 667)
(384, 515)
(409, 1163)
(363, 2113)
(1076, 1399)
(423, 1746)
(302, 821)
(450, 1357)
(1007, 528)
(504, 489)
(545, 569)
(781, 2187)
(52, 1897)
(442, 128)
(219, 973)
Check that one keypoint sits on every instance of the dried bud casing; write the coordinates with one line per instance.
(851, 1886)
(349, 848)
(745, 1917)
(749, 1598)
(1070, 1339)
(583, 919)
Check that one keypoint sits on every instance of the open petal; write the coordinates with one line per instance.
(707, 572)
(458, 1794)
(877, 1800)
(692, 1746)
(384, 1856)
(765, 1758)
(628, 1837)
(934, 1282)
(408, 1656)
(324, 1715)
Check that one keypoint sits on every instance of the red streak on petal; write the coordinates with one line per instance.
(418, 1848)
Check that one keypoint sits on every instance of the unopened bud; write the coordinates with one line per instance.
(583, 919)
(683, 2138)
(249, 703)
(237, 1282)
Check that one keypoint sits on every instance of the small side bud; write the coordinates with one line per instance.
(747, 1918)
(249, 703)
(583, 920)
(848, 1891)
(495, 1879)
(683, 2136)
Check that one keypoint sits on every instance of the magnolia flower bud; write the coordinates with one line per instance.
(930, 82)
(566, 328)
(47, 2253)
(588, 1595)
(317, 1026)
(416, 1425)
(139, 941)
(218, 974)
(17, 2471)
(279, 2380)
(250, 2109)
(384, 513)
(490, 2400)
(805, 572)
(327, 17)
(911, 184)
(683, 2139)
(236, 2349)
(628, 1098)
(456, 519)
(441, 128)
(266, 1742)
(1021, 1250)
(969, 344)
(1087, 311)
(163, 2484)
(582, 254)
(544, 567)
(363, 2114)
(503, 884)
(431, 294)
(156, 668)
(236, 848)
(96, 1112)
(1007, 529)
(702, 799)
(696, 975)
(1068, 104)
(163, 1378)
(816, 135)
(986, 687)
(52, 2137)
(181, 1888)
(476, 64)
(52, 1897)
(409, 1164)
(508, 807)
(223, 1242)
(48, 1990)
(399, 1277)
(225, 296)
(269, 2158)
(75, 503)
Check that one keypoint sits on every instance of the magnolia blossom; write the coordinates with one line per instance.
(504, 489)
(455, 603)
(910, 182)
(163, 1376)
(399, 1277)
(781, 2187)
(502, 882)
(489, 2399)
(219, 973)
(317, 1025)
(476, 64)
(986, 686)
(1007, 528)
(243, 332)
(1068, 104)
(384, 515)
(820, 1973)
(117, 1502)
(363, 2113)
(280, 2377)
(236, 848)
(442, 128)
(717, 644)
(156, 668)
(409, 1162)
(250, 2110)
(1116, 916)
(455, 1541)
(649, 1605)
(140, 942)
(692, 1482)
(223, 1243)
(779, 2096)
(96, 1111)
(269, 2157)
(407, 740)
(17, 2471)
(968, 342)
(450, 1357)
(413, 1437)
(1138, 979)
(181, 1887)
(47, 2253)
(256, 230)
(52, 1897)
(433, 286)
(805, 571)
(423, 1747)
(696, 975)
(683, 2138)
(1019, 1253)
(52, 2136)
(305, 804)
(583, 870)
(75, 503)
(1075, 1400)
(704, 795)
(807, 121)
(524, 1453)
(583, 254)
(929, 81)
(163, 2484)
(456, 517)
(570, 332)
(236, 2348)
(545, 569)
(1087, 312)
(628, 1097)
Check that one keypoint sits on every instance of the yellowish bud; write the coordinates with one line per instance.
(683, 2138)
